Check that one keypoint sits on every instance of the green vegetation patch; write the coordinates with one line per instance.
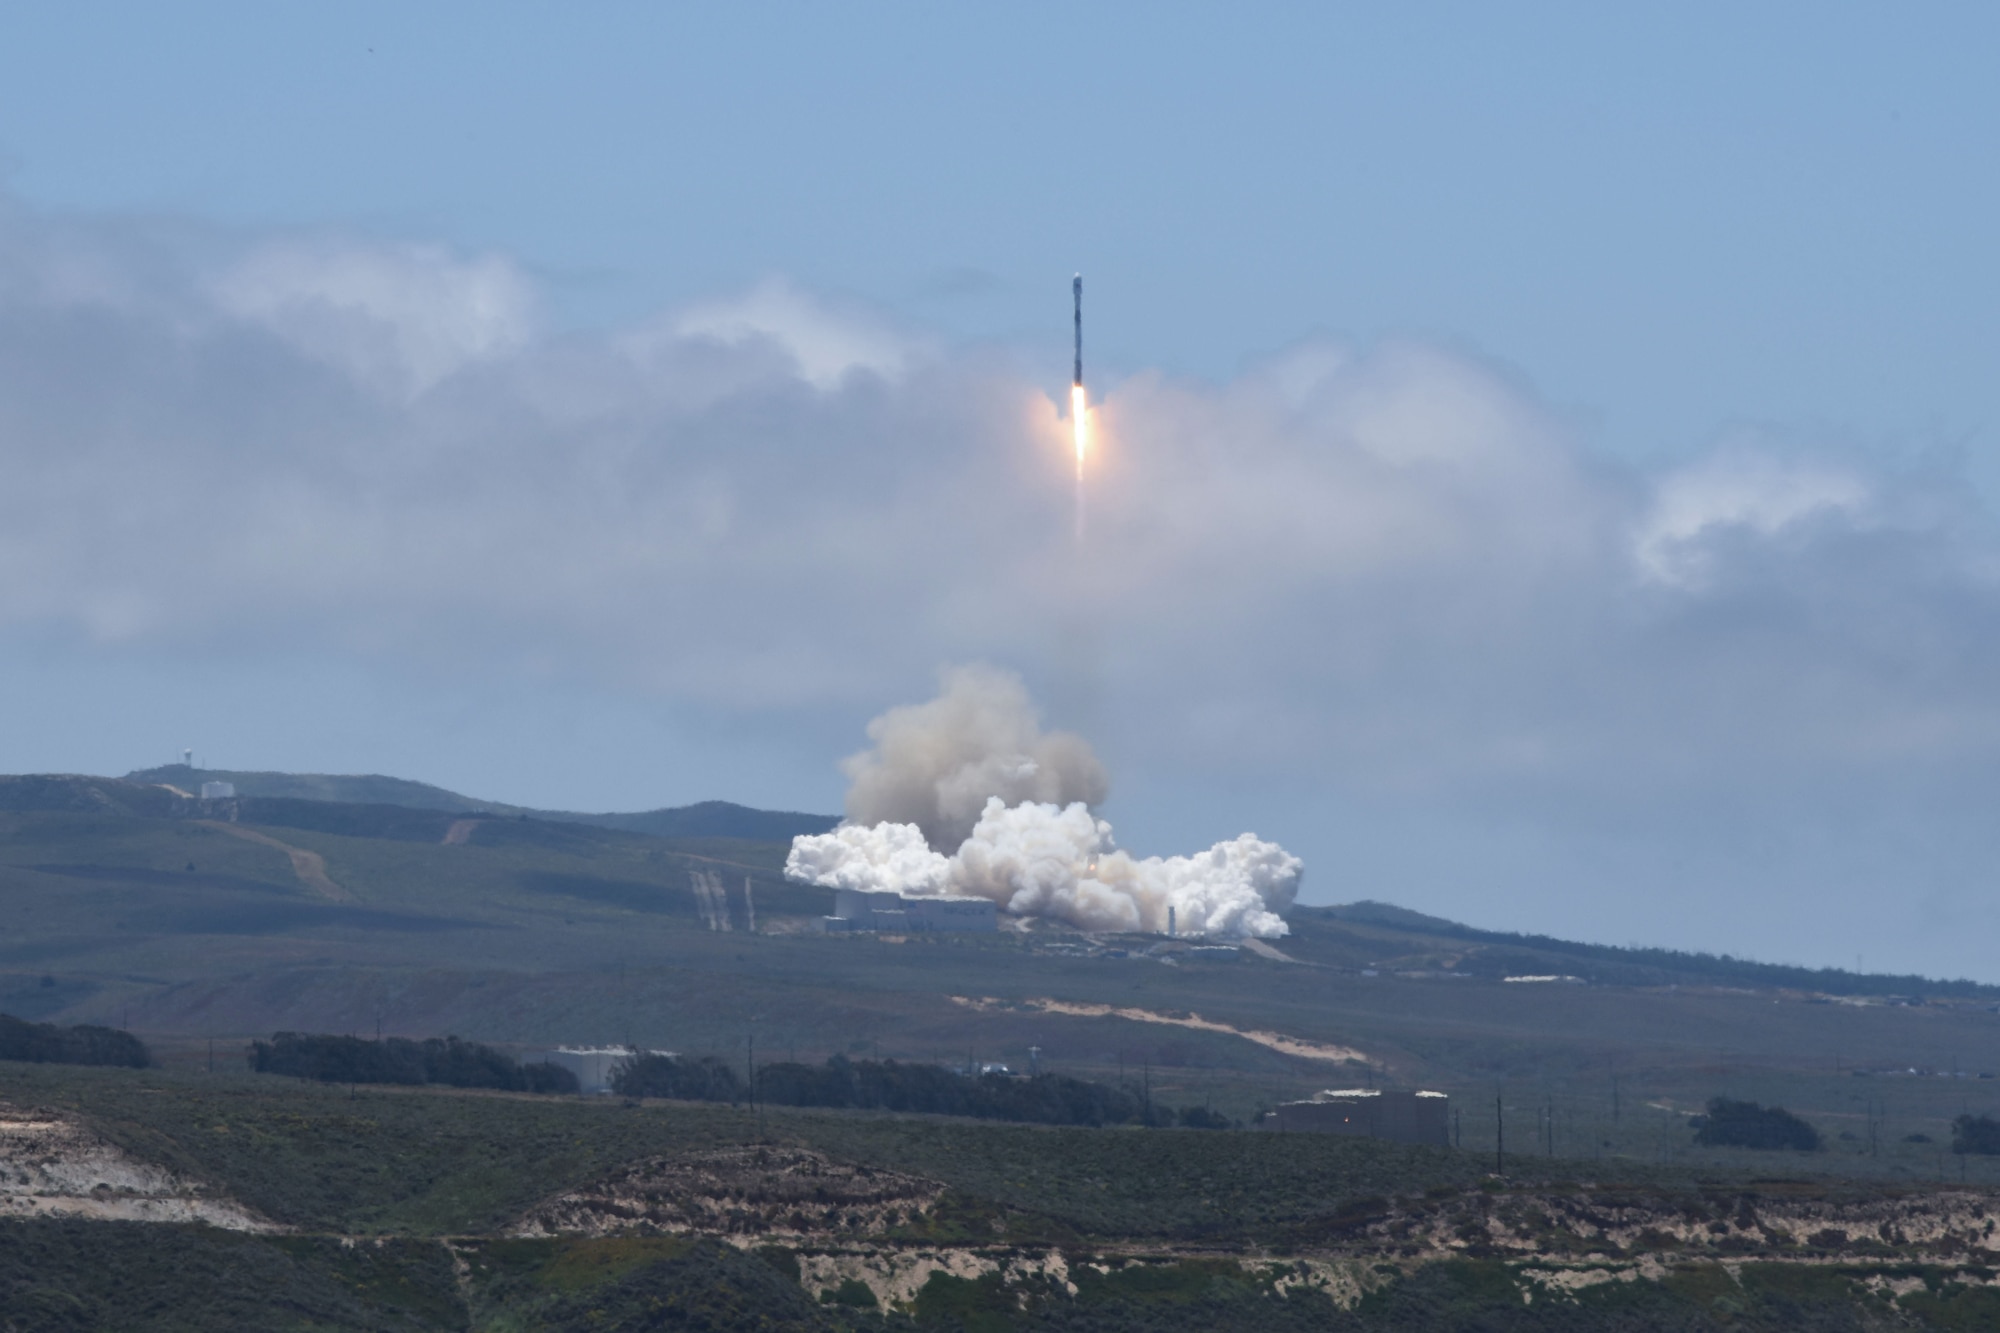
(438, 1162)
(400, 1061)
(1738, 1124)
(84, 1044)
(567, 1264)
(61, 1275)
(620, 1287)
(1174, 1283)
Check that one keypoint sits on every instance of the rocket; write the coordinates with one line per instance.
(1076, 289)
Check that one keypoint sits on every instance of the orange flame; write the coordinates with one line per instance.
(1079, 415)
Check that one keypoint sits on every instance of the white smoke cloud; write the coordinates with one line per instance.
(972, 770)
(936, 764)
(1061, 862)
(869, 856)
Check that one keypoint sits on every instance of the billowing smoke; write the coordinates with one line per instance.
(869, 856)
(935, 764)
(973, 771)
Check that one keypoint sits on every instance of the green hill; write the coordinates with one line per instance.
(123, 904)
(705, 819)
(405, 910)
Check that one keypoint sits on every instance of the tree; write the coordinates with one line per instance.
(1734, 1124)
(1976, 1133)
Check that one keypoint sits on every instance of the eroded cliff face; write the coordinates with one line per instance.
(1780, 1220)
(849, 1223)
(52, 1167)
(757, 1193)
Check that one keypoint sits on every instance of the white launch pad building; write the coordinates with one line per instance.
(896, 913)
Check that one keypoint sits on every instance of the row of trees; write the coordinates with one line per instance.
(399, 1060)
(1734, 1124)
(45, 1043)
(889, 1085)
(1976, 1134)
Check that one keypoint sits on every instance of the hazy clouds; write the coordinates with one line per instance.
(1386, 572)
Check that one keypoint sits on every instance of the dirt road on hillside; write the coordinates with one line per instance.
(310, 867)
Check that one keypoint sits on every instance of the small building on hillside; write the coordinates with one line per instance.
(897, 913)
(1367, 1113)
(217, 791)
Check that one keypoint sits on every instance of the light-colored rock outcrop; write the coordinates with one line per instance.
(753, 1191)
(50, 1167)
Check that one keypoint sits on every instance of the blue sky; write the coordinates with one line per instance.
(1710, 290)
(1670, 218)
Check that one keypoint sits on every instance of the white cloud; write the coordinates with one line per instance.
(825, 345)
(399, 318)
(1756, 494)
(1376, 574)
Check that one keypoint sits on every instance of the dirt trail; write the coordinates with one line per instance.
(310, 867)
(460, 832)
(1277, 1041)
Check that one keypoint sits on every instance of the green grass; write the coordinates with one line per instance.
(425, 1161)
(88, 1276)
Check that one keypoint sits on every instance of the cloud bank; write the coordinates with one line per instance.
(1390, 576)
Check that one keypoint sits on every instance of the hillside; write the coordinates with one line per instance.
(334, 1208)
(1427, 941)
(705, 819)
(189, 921)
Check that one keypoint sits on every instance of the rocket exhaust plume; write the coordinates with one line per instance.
(967, 794)
(1077, 409)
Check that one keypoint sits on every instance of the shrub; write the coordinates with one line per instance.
(690, 1079)
(1733, 1124)
(1977, 1134)
(85, 1044)
(1200, 1117)
(853, 1292)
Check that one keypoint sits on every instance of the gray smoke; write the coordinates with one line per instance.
(936, 764)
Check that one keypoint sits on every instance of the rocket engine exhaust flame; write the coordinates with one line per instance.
(1078, 410)
(1080, 421)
